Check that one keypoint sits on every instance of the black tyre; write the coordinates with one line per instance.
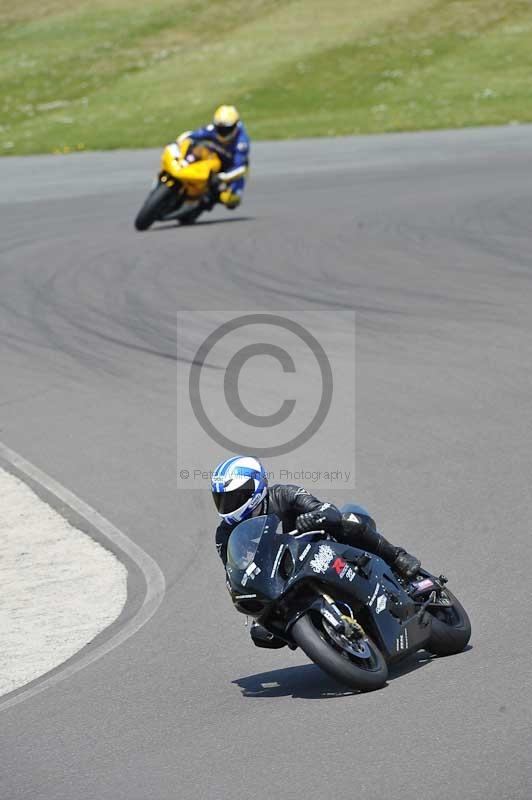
(451, 628)
(158, 202)
(325, 648)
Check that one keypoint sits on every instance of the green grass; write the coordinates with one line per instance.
(116, 73)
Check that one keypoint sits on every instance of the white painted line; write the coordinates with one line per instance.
(155, 582)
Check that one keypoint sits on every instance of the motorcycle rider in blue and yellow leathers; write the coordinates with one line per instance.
(229, 139)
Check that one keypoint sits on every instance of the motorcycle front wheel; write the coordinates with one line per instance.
(450, 626)
(158, 203)
(359, 664)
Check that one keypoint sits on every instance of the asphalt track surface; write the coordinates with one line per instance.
(429, 238)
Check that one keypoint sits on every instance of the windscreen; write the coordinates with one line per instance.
(245, 538)
(254, 552)
(244, 541)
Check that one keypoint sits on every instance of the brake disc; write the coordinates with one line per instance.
(356, 647)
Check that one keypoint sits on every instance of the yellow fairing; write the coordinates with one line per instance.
(193, 176)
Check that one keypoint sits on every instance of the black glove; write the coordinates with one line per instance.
(406, 565)
(327, 518)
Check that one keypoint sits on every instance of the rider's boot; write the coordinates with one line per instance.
(405, 564)
(361, 532)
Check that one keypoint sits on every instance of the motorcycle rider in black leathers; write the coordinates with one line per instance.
(240, 490)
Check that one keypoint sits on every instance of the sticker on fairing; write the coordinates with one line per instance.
(423, 585)
(330, 617)
(380, 605)
(375, 593)
(322, 559)
(304, 553)
(277, 559)
(251, 572)
(339, 566)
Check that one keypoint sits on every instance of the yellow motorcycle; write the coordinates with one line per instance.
(188, 183)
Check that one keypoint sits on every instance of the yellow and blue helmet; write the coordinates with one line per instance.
(239, 485)
(225, 121)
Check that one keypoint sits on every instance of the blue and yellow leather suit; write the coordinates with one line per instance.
(234, 154)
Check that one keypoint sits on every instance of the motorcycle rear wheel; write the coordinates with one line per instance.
(366, 675)
(451, 628)
(189, 217)
(156, 205)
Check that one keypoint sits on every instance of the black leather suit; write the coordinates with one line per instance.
(351, 525)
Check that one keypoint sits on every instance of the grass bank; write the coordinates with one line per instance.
(99, 74)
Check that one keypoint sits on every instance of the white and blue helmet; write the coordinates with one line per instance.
(239, 485)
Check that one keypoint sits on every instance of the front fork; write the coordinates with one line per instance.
(328, 608)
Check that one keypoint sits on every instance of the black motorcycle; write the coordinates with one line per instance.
(344, 607)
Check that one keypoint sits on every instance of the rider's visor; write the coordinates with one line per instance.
(225, 130)
(227, 502)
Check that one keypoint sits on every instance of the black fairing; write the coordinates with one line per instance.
(261, 542)
(276, 577)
